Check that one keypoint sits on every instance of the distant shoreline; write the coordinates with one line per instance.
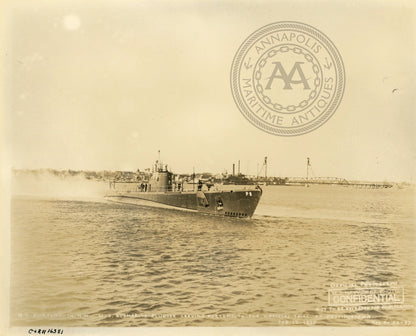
(129, 176)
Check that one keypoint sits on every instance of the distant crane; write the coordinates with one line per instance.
(264, 166)
(308, 170)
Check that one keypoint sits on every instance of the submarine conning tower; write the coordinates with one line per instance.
(162, 179)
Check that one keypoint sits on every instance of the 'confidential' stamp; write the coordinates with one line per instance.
(287, 78)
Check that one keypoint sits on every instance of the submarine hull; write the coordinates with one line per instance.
(238, 203)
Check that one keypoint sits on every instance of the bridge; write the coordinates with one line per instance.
(336, 181)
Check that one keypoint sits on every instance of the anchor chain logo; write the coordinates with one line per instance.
(287, 78)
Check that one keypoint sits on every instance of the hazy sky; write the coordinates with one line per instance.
(107, 86)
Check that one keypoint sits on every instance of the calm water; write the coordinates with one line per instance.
(83, 262)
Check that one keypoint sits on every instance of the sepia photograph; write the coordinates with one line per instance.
(208, 167)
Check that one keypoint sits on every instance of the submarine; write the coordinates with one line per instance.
(162, 187)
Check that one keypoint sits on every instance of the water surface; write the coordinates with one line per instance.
(89, 262)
